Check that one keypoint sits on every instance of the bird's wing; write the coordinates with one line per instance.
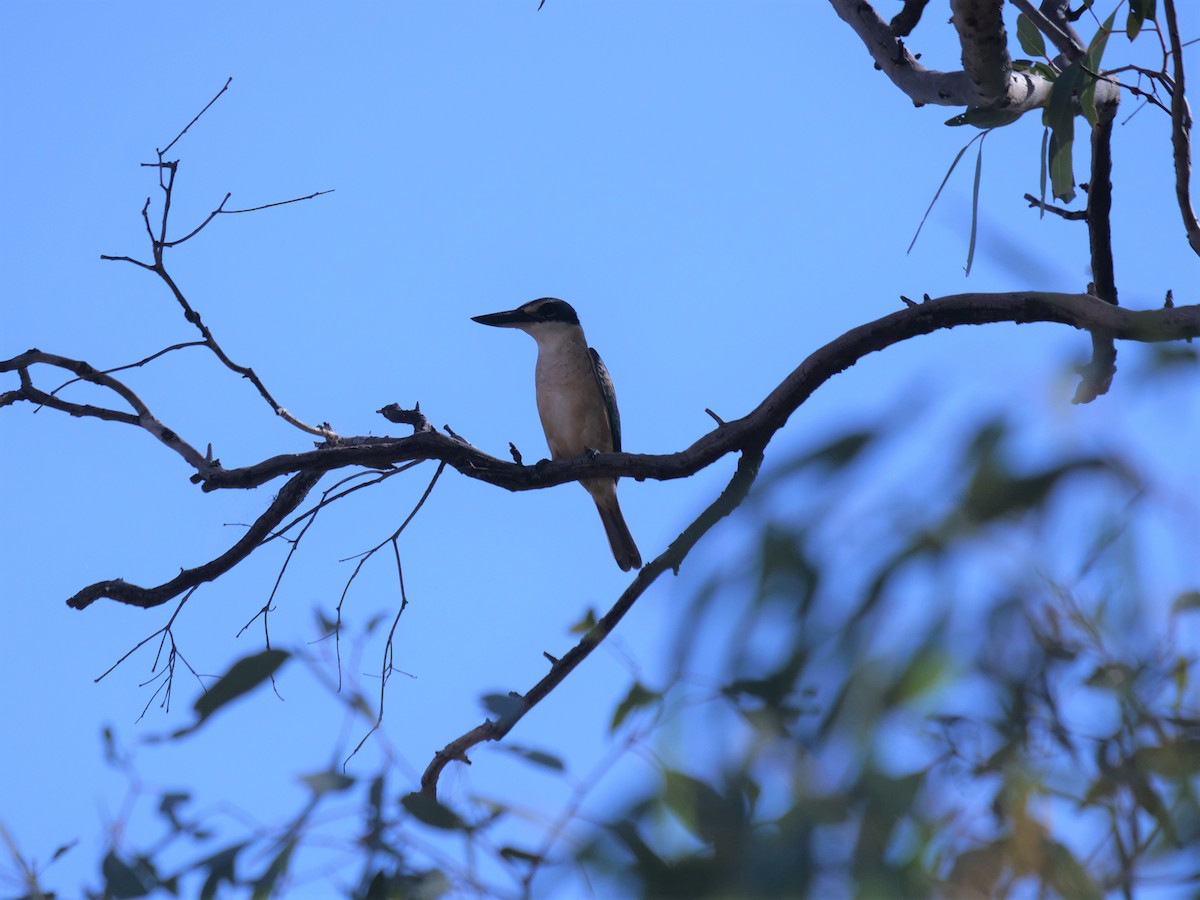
(610, 398)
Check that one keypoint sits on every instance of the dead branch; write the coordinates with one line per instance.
(141, 416)
(1181, 131)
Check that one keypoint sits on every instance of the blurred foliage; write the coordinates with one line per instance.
(941, 667)
(972, 693)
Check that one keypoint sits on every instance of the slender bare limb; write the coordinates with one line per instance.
(196, 118)
(141, 415)
(670, 560)
(1070, 214)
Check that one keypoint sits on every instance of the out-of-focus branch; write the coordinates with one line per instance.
(1021, 91)
(670, 560)
(1181, 130)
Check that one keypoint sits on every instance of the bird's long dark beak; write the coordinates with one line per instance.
(509, 319)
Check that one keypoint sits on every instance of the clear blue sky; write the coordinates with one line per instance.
(718, 188)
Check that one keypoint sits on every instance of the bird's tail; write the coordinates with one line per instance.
(619, 538)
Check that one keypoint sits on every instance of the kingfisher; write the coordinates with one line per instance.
(576, 402)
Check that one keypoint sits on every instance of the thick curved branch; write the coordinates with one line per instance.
(670, 560)
(285, 502)
(984, 43)
(998, 87)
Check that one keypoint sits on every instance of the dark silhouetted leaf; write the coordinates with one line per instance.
(586, 624)
(124, 880)
(243, 676)
(265, 885)
(427, 809)
(327, 782)
(1188, 600)
(637, 697)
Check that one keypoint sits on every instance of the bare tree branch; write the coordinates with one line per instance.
(984, 42)
(1181, 131)
(140, 417)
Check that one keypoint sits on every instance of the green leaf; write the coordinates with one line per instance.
(638, 696)
(265, 885)
(1176, 759)
(220, 867)
(699, 807)
(1042, 174)
(1066, 874)
(977, 870)
(1139, 12)
(1059, 116)
(243, 676)
(975, 206)
(123, 880)
(586, 624)
(427, 809)
(1030, 38)
(1091, 62)
(938, 192)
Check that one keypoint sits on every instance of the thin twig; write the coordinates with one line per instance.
(196, 118)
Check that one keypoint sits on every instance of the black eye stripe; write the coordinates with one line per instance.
(550, 309)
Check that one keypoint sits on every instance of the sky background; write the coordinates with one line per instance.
(718, 189)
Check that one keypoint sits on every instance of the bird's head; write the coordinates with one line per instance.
(535, 317)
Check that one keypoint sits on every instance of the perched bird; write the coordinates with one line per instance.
(576, 402)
